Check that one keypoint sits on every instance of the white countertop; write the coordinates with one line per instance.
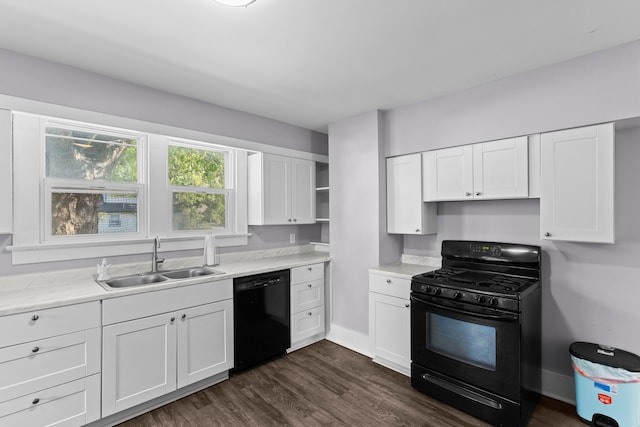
(26, 292)
(409, 267)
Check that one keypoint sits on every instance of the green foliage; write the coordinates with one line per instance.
(191, 167)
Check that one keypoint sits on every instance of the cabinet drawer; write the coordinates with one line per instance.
(37, 324)
(307, 324)
(41, 364)
(307, 295)
(74, 403)
(388, 285)
(136, 306)
(307, 273)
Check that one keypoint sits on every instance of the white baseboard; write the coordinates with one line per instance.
(558, 386)
(353, 340)
(554, 385)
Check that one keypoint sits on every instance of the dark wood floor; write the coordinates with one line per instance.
(325, 384)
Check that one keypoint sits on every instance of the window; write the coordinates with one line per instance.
(90, 174)
(199, 183)
(86, 190)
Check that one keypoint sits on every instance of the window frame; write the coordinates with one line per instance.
(28, 243)
(228, 191)
(90, 186)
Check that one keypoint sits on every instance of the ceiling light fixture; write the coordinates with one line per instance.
(235, 3)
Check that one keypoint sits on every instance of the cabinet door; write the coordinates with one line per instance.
(277, 190)
(205, 341)
(303, 191)
(577, 184)
(389, 325)
(6, 189)
(448, 174)
(501, 169)
(406, 213)
(139, 361)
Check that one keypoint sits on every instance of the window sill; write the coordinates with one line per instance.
(48, 252)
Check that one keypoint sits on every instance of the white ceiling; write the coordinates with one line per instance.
(311, 62)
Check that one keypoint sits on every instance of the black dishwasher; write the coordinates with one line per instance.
(261, 318)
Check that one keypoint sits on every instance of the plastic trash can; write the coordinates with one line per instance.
(607, 385)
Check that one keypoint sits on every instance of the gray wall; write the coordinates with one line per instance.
(31, 78)
(357, 227)
(590, 291)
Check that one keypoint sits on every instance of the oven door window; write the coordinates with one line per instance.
(467, 342)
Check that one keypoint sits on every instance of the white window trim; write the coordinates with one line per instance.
(229, 190)
(29, 245)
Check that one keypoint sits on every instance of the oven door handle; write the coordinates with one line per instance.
(444, 306)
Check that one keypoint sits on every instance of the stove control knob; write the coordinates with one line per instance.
(481, 299)
(437, 291)
(427, 289)
(493, 301)
(457, 295)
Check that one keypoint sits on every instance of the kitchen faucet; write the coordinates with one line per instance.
(154, 257)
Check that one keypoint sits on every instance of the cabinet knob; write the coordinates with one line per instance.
(417, 230)
(478, 193)
(35, 401)
(309, 285)
(467, 194)
(35, 349)
(35, 317)
(173, 319)
(289, 220)
(388, 280)
(295, 220)
(547, 234)
(310, 313)
(184, 316)
(310, 268)
(407, 305)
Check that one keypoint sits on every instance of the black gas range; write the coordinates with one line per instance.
(475, 330)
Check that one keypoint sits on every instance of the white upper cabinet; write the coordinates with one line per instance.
(281, 190)
(406, 212)
(489, 170)
(501, 169)
(448, 174)
(577, 184)
(6, 190)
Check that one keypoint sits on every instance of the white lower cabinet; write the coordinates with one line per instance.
(50, 367)
(148, 357)
(139, 361)
(307, 304)
(205, 342)
(390, 321)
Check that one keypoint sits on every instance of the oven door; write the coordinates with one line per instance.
(476, 345)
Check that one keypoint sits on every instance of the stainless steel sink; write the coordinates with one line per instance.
(185, 273)
(157, 277)
(138, 280)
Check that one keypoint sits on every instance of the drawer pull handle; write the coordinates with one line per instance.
(35, 317)
(309, 285)
(388, 280)
(184, 316)
(310, 313)
(35, 349)
(35, 401)
(407, 305)
(309, 268)
(173, 319)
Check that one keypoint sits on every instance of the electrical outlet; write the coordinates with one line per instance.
(292, 238)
